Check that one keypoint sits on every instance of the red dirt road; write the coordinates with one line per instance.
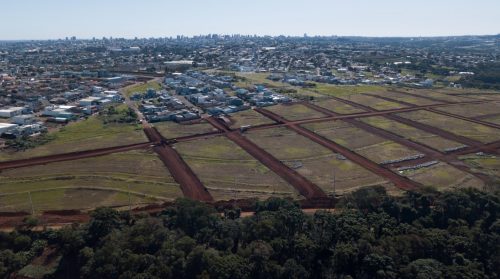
(305, 187)
(191, 185)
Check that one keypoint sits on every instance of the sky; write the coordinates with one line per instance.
(54, 19)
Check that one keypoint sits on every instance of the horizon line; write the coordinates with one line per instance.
(250, 35)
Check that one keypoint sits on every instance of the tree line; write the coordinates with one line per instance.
(370, 234)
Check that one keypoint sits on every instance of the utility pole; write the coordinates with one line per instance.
(31, 203)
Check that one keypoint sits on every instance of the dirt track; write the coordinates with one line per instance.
(71, 156)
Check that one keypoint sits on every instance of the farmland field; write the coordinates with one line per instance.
(315, 162)
(411, 133)
(295, 112)
(139, 172)
(87, 134)
(229, 172)
(364, 143)
(464, 128)
(170, 129)
(442, 177)
(248, 117)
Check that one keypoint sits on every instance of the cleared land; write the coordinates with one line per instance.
(338, 107)
(472, 110)
(171, 130)
(229, 172)
(366, 144)
(442, 177)
(87, 134)
(140, 172)
(373, 102)
(248, 117)
(411, 133)
(461, 127)
(295, 112)
(314, 162)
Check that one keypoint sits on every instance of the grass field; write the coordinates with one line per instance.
(295, 112)
(457, 126)
(338, 107)
(493, 119)
(344, 90)
(411, 133)
(229, 172)
(439, 95)
(487, 164)
(248, 117)
(472, 110)
(87, 134)
(170, 129)
(366, 144)
(401, 96)
(139, 172)
(442, 177)
(141, 88)
(373, 102)
(315, 162)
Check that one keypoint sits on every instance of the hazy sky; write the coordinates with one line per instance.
(52, 19)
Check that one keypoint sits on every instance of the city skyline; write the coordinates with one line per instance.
(57, 19)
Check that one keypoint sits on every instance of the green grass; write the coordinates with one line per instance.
(295, 112)
(229, 172)
(343, 90)
(141, 88)
(411, 133)
(457, 126)
(139, 172)
(488, 164)
(443, 177)
(313, 161)
(87, 134)
(172, 130)
(248, 117)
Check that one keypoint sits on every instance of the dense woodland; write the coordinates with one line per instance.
(370, 235)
